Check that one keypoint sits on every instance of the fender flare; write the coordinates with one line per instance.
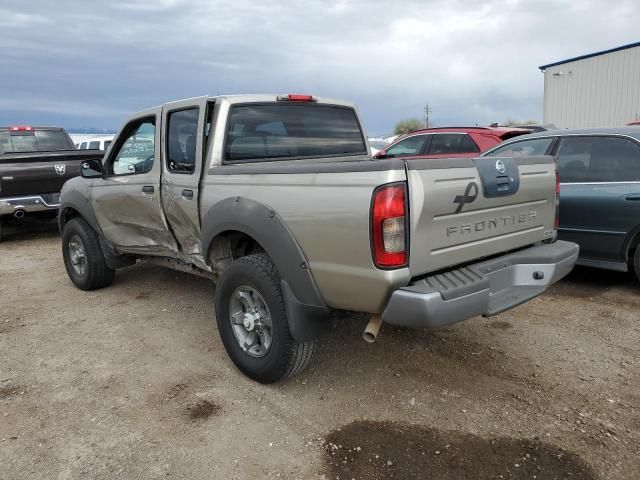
(74, 200)
(305, 305)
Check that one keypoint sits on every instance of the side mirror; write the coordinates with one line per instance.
(91, 168)
(381, 154)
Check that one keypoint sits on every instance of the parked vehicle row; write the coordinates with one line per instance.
(439, 226)
(278, 200)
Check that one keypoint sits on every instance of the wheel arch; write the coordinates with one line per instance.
(631, 243)
(253, 222)
(246, 220)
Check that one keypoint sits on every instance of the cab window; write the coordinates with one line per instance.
(408, 147)
(533, 146)
(181, 140)
(135, 153)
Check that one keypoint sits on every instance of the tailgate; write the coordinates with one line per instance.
(40, 172)
(465, 209)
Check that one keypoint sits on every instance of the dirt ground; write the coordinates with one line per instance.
(133, 382)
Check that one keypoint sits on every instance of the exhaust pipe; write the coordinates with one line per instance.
(18, 214)
(373, 328)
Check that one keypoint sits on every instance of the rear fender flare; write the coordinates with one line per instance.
(307, 309)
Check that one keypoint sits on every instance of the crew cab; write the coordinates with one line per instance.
(277, 199)
(448, 142)
(34, 164)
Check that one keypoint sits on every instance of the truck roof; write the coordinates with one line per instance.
(254, 98)
(30, 127)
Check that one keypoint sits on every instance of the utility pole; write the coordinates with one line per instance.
(427, 112)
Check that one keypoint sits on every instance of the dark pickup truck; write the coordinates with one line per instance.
(34, 164)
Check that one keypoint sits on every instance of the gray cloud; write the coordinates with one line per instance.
(90, 64)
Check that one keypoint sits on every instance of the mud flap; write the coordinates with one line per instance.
(306, 322)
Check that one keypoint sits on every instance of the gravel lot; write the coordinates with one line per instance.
(133, 382)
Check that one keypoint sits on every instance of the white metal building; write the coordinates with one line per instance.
(601, 89)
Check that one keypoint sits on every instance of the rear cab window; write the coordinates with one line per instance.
(270, 132)
(34, 140)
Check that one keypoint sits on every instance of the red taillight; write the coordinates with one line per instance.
(557, 222)
(296, 97)
(389, 235)
(20, 128)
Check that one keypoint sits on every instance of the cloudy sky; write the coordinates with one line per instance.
(90, 64)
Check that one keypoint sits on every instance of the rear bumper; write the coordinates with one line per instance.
(29, 203)
(485, 288)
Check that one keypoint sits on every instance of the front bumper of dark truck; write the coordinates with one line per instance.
(485, 288)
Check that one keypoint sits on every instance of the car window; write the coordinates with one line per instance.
(408, 147)
(181, 140)
(533, 146)
(278, 132)
(598, 159)
(95, 145)
(83, 146)
(136, 152)
(106, 144)
(445, 143)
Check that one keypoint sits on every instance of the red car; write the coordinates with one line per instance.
(448, 142)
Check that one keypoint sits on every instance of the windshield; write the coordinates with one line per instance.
(33, 141)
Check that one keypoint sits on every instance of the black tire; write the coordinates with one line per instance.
(636, 262)
(96, 274)
(286, 357)
(1, 225)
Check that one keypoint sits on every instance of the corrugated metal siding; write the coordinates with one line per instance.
(602, 91)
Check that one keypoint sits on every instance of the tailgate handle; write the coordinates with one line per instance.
(187, 194)
(633, 197)
(148, 189)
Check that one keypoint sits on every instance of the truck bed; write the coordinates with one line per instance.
(37, 173)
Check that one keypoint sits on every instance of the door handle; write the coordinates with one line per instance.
(148, 189)
(188, 194)
(633, 197)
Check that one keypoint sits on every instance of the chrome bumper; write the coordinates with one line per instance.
(485, 288)
(30, 203)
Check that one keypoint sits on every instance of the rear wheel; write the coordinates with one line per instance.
(636, 263)
(253, 323)
(83, 256)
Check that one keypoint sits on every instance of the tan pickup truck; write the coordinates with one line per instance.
(277, 199)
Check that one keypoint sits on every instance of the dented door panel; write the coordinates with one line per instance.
(181, 181)
(128, 207)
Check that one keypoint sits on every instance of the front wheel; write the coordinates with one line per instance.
(253, 323)
(83, 256)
